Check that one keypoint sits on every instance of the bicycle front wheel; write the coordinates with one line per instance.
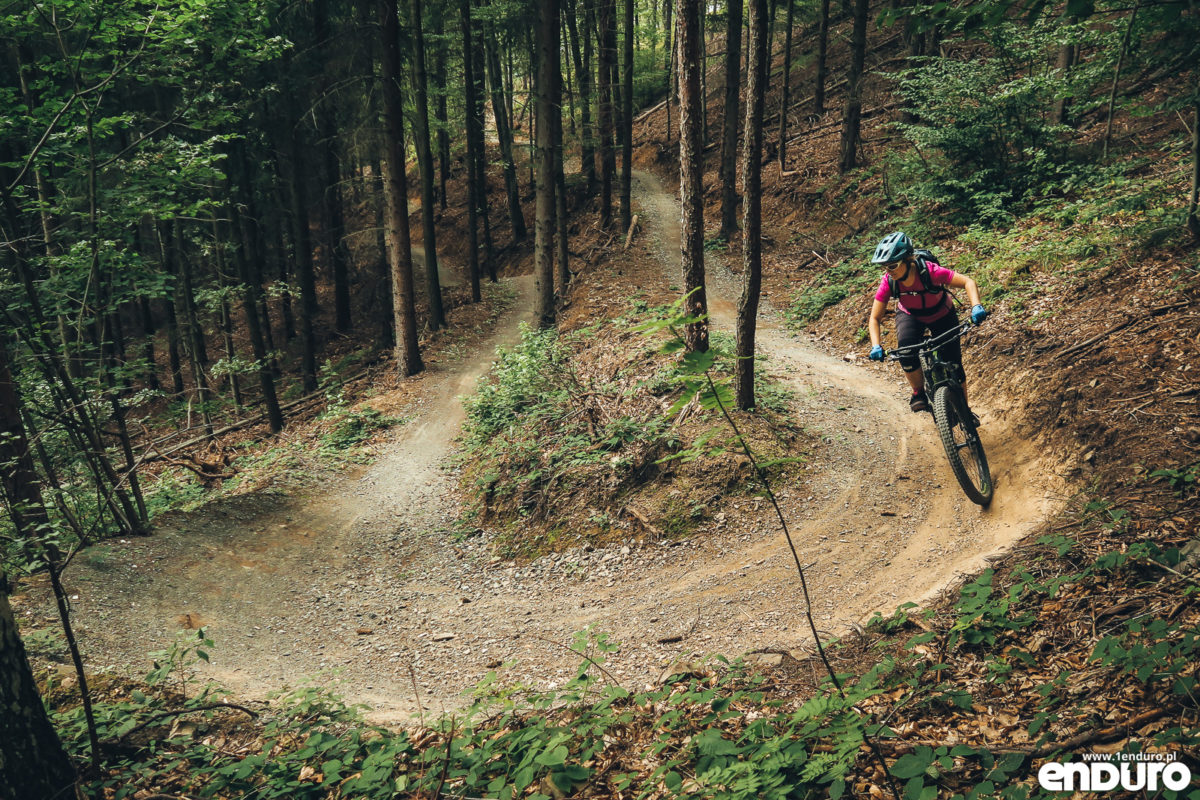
(963, 447)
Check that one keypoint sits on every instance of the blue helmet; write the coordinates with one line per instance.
(894, 247)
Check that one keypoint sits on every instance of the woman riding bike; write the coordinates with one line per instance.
(919, 284)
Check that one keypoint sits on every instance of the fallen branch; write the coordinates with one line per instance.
(179, 711)
(633, 223)
(1154, 312)
(148, 457)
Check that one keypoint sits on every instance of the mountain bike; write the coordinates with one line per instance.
(957, 426)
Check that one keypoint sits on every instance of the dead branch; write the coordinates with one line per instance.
(1154, 312)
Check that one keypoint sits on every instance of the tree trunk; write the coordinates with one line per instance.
(627, 120)
(251, 301)
(560, 210)
(747, 314)
(443, 122)
(331, 198)
(851, 122)
(1112, 97)
(303, 258)
(787, 85)
(822, 58)
(195, 339)
(481, 194)
(1066, 58)
(729, 127)
(672, 93)
(608, 160)
(583, 67)
(473, 201)
(690, 171)
(395, 189)
(504, 133)
(703, 73)
(544, 225)
(33, 763)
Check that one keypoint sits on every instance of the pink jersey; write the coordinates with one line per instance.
(925, 306)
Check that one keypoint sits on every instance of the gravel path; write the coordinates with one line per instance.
(359, 585)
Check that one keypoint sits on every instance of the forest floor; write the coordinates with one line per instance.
(361, 580)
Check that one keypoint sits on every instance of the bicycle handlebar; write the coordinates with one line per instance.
(929, 344)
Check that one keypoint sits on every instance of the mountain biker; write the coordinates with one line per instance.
(919, 284)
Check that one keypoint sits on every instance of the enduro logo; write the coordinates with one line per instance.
(1129, 771)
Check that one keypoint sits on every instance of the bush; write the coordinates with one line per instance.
(984, 143)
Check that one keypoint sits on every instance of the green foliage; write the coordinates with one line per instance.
(845, 278)
(982, 143)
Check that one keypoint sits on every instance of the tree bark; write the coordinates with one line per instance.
(443, 122)
(851, 121)
(672, 92)
(504, 133)
(822, 58)
(690, 172)
(583, 68)
(331, 197)
(729, 127)
(33, 763)
(303, 257)
(469, 89)
(251, 291)
(787, 85)
(608, 160)
(481, 194)
(395, 188)
(747, 314)
(544, 226)
(627, 119)
(1112, 97)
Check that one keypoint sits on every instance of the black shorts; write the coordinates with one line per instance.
(910, 331)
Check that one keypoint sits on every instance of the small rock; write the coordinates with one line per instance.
(444, 637)
(365, 631)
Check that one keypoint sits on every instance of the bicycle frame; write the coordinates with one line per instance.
(938, 373)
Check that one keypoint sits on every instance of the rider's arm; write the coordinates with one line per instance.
(961, 281)
(877, 310)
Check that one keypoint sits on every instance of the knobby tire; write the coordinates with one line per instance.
(963, 447)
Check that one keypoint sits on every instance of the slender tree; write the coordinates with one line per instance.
(544, 224)
(627, 118)
(785, 99)
(747, 313)
(473, 201)
(33, 763)
(395, 189)
(851, 121)
(421, 131)
(442, 119)
(606, 53)
(332, 202)
(729, 127)
(822, 59)
(581, 53)
(690, 171)
(505, 136)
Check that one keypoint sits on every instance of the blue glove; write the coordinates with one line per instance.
(877, 353)
(978, 314)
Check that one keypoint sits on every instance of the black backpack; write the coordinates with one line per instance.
(923, 257)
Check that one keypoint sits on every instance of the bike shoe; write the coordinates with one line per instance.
(919, 402)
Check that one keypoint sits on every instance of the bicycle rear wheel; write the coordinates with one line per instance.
(963, 447)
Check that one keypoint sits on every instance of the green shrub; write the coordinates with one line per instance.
(983, 142)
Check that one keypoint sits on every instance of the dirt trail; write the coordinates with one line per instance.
(360, 584)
